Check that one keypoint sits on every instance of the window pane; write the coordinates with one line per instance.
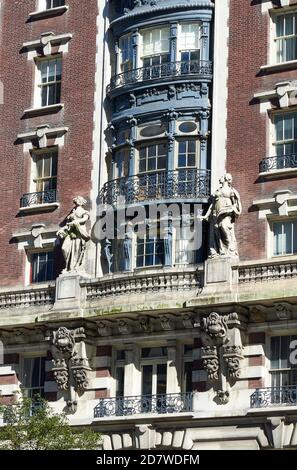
(59, 69)
(120, 377)
(287, 238)
(288, 126)
(277, 228)
(51, 70)
(280, 26)
(161, 378)
(275, 350)
(289, 24)
(154, 352)
(147, 375)
(284, 352)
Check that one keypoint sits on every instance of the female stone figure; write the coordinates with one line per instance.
(127, 248)
(74, 235)
(222, 213)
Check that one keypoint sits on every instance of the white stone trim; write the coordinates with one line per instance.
(38, 111)
(47, 41)
(101, 361)
(45, 13)
(220, 92)
(99, 383)
(102, 78)
(7, 370)
(253, 350)
(8, 389)
(282, 204)
(42, 134)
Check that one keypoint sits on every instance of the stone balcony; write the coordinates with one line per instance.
(171, 289)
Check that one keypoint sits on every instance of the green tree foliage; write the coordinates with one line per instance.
(32, 425)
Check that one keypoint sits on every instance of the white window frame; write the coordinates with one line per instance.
(42, 5)
(179, 45)
(154, 362)
(38, 80)
(35, 154)
(29, 267)
(280, 220)
(142, 55)
(273, 141)
(34, 355)
(273, 38)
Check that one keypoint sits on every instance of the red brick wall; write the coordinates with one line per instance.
(247, 138)
(17, 75)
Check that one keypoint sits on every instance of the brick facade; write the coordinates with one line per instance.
(17, 76)
(247, 127)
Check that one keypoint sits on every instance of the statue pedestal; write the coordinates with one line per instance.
(69, 294)
(219, 270)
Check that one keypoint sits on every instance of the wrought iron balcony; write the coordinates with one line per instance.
(162, 185)
(274, 396)
(201, 69)
(33, 199)
(279, 162)
(123, 406)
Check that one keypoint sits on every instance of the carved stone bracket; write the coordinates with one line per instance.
(222, 351)
(210, 359)
(70, 364)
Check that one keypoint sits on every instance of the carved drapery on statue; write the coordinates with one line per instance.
(74, 236)
(225, 207)
(70, 363)
(222, 351)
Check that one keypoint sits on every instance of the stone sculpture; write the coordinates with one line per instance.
(74, 236)
(222, 214)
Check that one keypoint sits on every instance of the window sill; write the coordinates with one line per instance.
(40, 207)
(53, 108)
(278, 173)
(291, 64)
(38, 15)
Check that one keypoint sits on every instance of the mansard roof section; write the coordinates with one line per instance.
(131, 9)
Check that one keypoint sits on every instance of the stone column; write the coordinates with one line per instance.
(132, 383)
(172, 117)
(205, 31)
(173, 43)
(173, 385)
(117, 58)
(133, 137)
(135, 49)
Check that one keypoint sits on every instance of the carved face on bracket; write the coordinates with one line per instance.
(64, 340)
(215, 325)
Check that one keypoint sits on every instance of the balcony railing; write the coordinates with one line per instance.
(280, 162)
(274, 396)
(201, 69)
(158, 404)
(173, 184)
(33, 199)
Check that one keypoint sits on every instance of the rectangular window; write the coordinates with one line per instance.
(187, 151)
(156, 53)
(283, 372)
(189, 45)
(45, 175)
(54, 4)
(50, 81)
(285, 134)
(150, 252)
(126, 53)
(154, 352)
(42, 266)
(33, 376)
(286, 37)
(121, 162)
(156, 42)
(285, 238)
(153, 157)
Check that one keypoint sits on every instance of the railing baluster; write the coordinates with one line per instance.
(161, 404)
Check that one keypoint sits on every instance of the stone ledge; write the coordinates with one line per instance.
(38, 15)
